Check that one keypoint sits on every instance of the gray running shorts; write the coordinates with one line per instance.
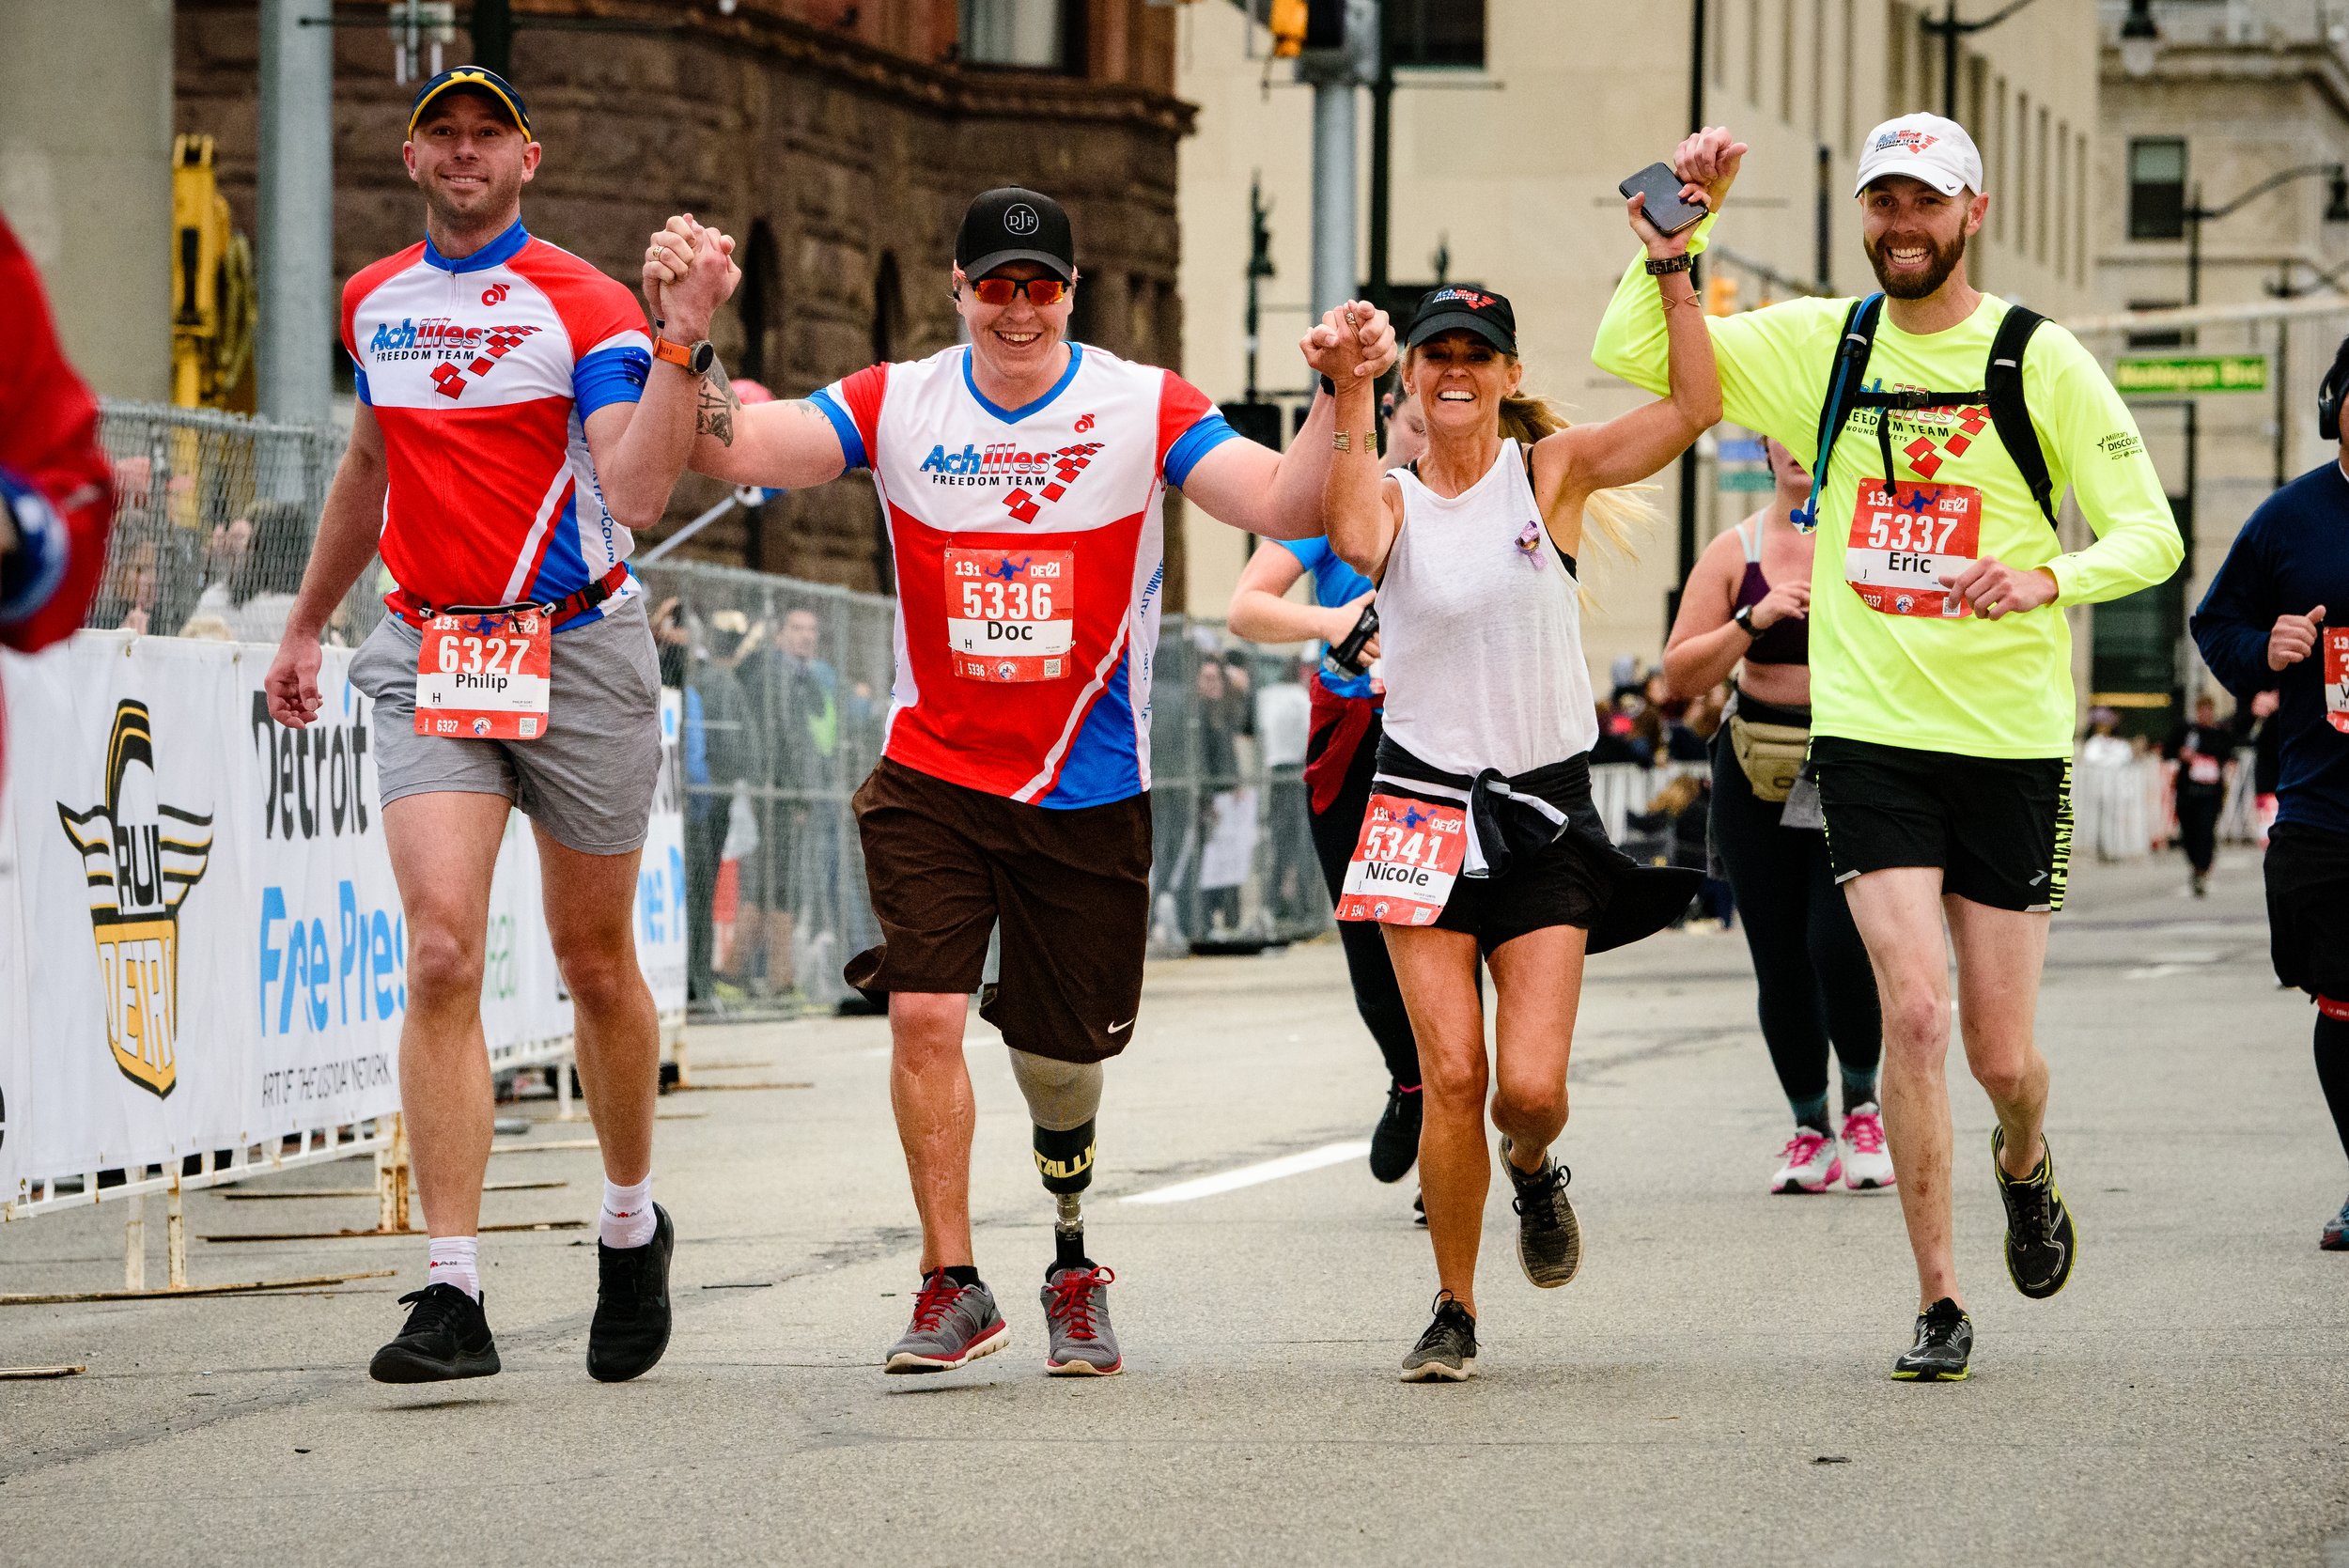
(588, 781)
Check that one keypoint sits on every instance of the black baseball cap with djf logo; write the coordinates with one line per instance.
(1461, 308)
(477, 79)
(1011, 223)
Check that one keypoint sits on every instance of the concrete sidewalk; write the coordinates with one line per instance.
(1711, 1390)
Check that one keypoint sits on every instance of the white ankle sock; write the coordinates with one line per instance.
(627, 1217)
(454, 1259)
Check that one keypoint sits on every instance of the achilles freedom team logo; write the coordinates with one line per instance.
(1468, 296)
(141, 859)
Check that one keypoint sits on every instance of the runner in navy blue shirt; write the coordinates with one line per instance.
(2263, 626)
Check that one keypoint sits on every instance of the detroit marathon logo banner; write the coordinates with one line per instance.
(141, 857)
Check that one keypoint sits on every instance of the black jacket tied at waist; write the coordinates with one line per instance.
(1509, 816)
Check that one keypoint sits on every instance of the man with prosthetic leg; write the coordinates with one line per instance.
(1943, 711)
(1022, 476)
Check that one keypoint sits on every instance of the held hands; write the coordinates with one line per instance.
(292, 681)
(1995, 589)
(689, 272)
(1785, 601)
(2293, 638)
(1708, 161)
(1354, 341)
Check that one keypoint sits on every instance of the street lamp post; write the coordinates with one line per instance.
(1950, 30)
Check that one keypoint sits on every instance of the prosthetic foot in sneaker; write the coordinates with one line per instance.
(631, 1329)
(954, 1325)
(1395, 1143)
(447, 1337)
(1077, 1315)
(2335, 1237)
(2039, 1239)
(1945, 1343)
(1549, 1238)
(1809, 1163)
(1447, 1352)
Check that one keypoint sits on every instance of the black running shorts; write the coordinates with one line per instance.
(1555, 885)
(1071, 889)
(2308, 891)
(2000, 828)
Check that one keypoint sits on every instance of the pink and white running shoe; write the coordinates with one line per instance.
(1867, 1167)
(1810, 1164)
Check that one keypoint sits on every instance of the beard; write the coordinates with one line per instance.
(1917, 286)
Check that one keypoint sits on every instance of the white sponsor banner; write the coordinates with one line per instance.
(201, 941)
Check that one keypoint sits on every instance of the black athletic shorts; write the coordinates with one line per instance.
(2000, 828)
(1555, 885)
(1071, 890)
(2307, 898)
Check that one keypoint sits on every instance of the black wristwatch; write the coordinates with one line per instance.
(1744, 617)
(1328, 386)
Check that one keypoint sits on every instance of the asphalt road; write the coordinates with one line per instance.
(1711, 1390)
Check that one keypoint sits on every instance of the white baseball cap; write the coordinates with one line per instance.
(1922, 146)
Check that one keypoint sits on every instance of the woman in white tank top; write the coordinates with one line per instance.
(1480, 836)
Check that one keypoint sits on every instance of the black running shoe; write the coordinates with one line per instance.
(1549, 1238)
(1945, 1343)
(1419, 1210)
(1447, 1352)
(447, 1336)
(2039, 1242)
(1395, 1143)
(632, 1323)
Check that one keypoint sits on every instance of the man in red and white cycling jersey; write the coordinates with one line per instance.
(499, 458)
(1023, 476)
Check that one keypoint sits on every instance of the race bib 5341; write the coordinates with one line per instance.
(1405, 863)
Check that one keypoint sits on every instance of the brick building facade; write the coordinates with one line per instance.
(838, 141)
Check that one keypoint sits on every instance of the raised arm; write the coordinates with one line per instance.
(782, 445)
(640, 446)
(1279, 494)
(1362, 509)
(1571, 463)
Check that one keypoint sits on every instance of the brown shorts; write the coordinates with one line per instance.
(1071, 890)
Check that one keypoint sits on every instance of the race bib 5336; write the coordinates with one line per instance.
(1011, 614)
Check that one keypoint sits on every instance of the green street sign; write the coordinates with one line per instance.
(2176, 375)
(1747, 479)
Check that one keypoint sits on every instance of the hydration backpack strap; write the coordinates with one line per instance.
(2002, 390)
(1851, 368)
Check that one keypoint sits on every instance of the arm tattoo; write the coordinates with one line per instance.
(713, 410)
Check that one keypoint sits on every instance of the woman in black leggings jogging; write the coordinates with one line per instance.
(1340, 757)
(1748, 602)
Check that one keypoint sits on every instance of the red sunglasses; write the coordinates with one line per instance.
(1002, 291)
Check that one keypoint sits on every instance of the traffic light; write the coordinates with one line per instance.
(1721, 296)
(1301, 24)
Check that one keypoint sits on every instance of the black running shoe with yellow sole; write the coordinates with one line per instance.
(447, 1336)
(2039, 1239)
(1945, 1343)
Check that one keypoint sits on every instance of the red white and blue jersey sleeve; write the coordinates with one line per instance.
(854, 406)
(482, 371)
(1189, 428)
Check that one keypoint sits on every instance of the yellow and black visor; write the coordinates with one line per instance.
(477, 80)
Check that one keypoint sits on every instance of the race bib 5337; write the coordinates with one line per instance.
(1904, 538)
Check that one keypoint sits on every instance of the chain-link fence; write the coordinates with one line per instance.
(213, 514)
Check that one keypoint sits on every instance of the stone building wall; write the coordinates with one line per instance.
(840, 157)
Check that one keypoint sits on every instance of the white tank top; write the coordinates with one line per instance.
(1480, 630)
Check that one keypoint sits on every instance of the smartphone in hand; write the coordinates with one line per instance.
(1663, 206)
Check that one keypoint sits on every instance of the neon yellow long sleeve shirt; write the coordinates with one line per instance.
(1968, 685)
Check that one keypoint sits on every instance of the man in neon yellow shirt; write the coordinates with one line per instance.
(1940, 665)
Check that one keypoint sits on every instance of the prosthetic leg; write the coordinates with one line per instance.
(1063, 1098)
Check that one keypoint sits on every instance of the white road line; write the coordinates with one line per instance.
(1250, 1175)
